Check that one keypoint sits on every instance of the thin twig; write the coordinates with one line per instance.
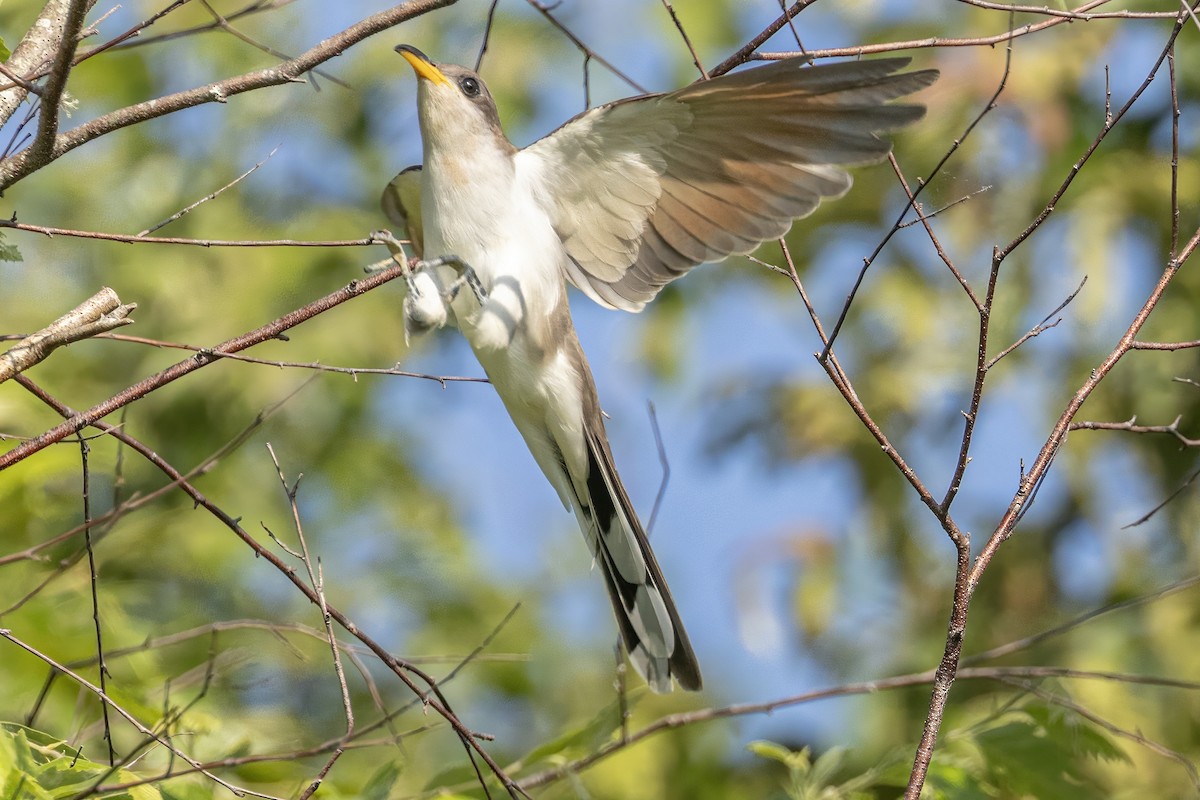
(23, 164)
(127, 238)
(212, 195)
(1131, 426)
(316, 579)
(316, 366)
(101, 663)
(686, 39)
(1043, 326)
(590, 54)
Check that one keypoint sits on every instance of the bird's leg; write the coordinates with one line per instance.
(398, 256)
(466, 275)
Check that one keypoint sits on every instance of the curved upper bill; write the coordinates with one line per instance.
(421, 64)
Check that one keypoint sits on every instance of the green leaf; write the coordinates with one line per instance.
(8, 252)
(1085, 738)
(827, 765)
(380, 784)
(453, 776)
(1040, 752)
(4, 51)
(585, 739)
(146, 791)
(954, 782)
(771, 750)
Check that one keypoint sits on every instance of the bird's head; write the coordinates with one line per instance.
(455, 107)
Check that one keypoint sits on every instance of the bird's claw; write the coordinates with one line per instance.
(466, 275)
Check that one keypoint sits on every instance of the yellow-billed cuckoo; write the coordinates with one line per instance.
(620, 201)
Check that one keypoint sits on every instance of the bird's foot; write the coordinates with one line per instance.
(398, 256)
(466, 276)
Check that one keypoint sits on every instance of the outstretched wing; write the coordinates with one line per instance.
(642, 190)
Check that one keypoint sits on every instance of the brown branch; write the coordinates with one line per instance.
(1037, 330)
(842, 383)
(744, 53)
(1045, 457)
(687, 40)
(37, 48)
(316, 579)
(16, 167)
(976, 41)
(1066, 14)
(101, 662)
(316, 366)
(133, 38)
(685, 719)
(142, 388)
(1131, 426)
(912, 201)
(38, 153)
(101, 312)
(1140, 345)
(126, 238)
(968, 575)
(227, 26)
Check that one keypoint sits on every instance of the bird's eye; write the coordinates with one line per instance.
(469, 86)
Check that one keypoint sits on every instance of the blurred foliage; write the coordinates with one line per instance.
(209, 646)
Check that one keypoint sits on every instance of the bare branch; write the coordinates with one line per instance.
(589, 54)
(101, 312)
(1140, 345)
(1043, 326)
(686, 39)
(210, 196)
(316, 366)
(1045, 457)
(265, 333)
(1131, 426)
(744, 53)
(1080, 12)
(37, 49)
(140, 239)
(16, 167)
(38, 153)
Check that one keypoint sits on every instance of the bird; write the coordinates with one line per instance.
(618, 202)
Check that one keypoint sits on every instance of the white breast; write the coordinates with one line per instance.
(487, 215)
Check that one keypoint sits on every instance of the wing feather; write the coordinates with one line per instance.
(642, 190)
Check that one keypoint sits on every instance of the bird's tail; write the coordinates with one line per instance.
(646, 615)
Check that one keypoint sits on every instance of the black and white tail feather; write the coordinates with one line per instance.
(649, 623)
